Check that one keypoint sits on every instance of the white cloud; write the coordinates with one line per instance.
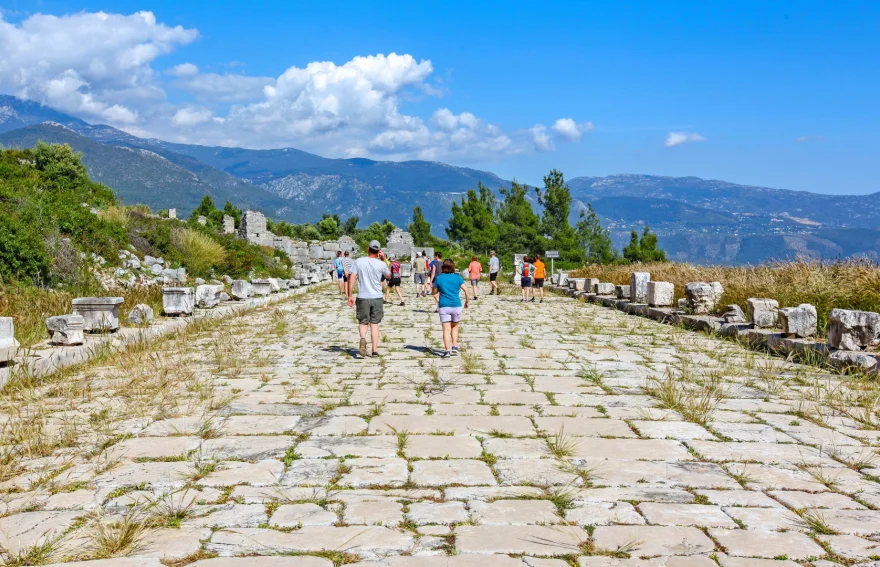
(96, 65)
(100, 67)
(189, 117)
(677, 138)
(571, 130)
(183, 70)
(803, 139)
(540, 139)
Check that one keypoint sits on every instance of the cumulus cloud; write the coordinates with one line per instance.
(189, 116)
(570, 130)
(540, 139)
(183, 70)
(677, 138)
(99, 66)
(96, 65)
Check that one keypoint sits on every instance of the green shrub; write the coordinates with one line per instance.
(199, 252)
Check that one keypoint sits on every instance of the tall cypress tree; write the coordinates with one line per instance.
(419, 228)
(556, 200)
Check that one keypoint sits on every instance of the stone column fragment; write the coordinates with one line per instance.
(178, 300)
(763, 313)
(98, 313)
(638, 287)
(66, 330)
(660, 294)
(799, 321)
(853, 330)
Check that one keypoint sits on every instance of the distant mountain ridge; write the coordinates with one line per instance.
(697, 220)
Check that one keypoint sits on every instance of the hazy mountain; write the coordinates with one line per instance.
(697, 220)
(143, 176)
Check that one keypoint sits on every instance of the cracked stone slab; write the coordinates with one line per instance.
(369, 542)
(653, 540)
(536, 540)
(456, 472)
(755, 543)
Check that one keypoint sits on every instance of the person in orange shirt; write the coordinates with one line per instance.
(540, 274)
(476, 271)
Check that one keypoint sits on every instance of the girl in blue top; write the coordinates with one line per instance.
(447, 288)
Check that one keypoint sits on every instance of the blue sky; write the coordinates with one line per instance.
(782, 94)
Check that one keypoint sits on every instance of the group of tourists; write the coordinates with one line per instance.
(436, 277)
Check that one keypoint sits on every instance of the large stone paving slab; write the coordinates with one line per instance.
(535, 444)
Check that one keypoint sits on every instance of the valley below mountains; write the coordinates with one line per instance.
(697, 220)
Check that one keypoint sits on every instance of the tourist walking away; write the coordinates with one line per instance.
(494, 268)
(368, 272)
(447, 288)
(340, 272)
(475, 269)
(434, 270)
(540, 274)
(418, 269)
(426, 289)
(347, 263)
(526, 272)
(394, 282)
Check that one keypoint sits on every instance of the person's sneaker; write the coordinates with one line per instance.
(455, 350)
(542, 300)
(362, 350)
(402, 303)
(446, 354)
(436, 310)
(533, 300)
(375, 354)
(476, 298)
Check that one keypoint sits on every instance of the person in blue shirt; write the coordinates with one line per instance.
(340, 272)
(448, 286)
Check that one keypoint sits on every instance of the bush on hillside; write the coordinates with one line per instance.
(199, 252)
(46, 196)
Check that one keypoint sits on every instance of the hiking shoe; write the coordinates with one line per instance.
(455, 350)
(375, 354)
(533, 300)
(476, 298)
(446, 354)
(542, 300)
(362, 350)
(402, 303)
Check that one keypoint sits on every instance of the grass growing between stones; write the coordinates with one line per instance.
(846, 284)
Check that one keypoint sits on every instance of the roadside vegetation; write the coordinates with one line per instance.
(844, 284)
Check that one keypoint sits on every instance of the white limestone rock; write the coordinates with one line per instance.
(660, 294)
(853, 330)
(98, 313)
(241, 289)
(8, 344)
(763, 312)
(734, 314)
(638, 287)
(799, 321)
(261, 287)
(622, 291)
(65, 330)
(702, 297)
(156, 269)
(141, 314)
(605, 289)
(174, 275)
(208, 296)
(178, 300)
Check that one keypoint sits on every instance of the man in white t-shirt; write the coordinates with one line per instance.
(368, 272)
(494, 268)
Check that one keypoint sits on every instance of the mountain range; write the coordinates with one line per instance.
(697, 220)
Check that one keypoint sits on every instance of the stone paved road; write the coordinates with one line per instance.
(564, 432)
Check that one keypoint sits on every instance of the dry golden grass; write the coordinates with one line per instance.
(199, 251)
(30, 306)
(850, 284)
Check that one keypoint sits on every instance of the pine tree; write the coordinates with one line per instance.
(595, 241)
(419, 228)
(518, 225)
(473, 220)
(632, 252)
(555, 226)
(650, 250)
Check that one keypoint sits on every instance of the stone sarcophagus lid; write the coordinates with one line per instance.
(241, 289)
(178, 300)
(208, 296)
(66, 329)
(261, 287)
(98, 313)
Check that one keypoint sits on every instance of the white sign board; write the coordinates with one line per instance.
(551, 254)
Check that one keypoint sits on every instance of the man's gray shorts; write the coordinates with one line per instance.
(419, 278)
(369, 311)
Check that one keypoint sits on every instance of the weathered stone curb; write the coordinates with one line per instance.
(44, 359)
(758, 339)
